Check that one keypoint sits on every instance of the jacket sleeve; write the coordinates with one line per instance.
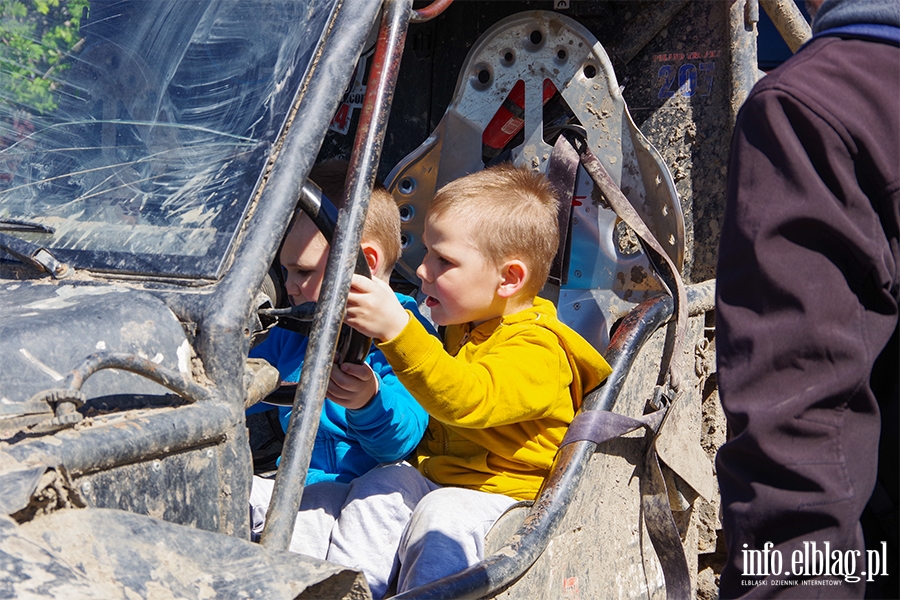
(805, 270)
(392, 424)
(517, 378)
(803, 309)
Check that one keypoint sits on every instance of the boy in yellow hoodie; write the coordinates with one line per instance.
(501, 391)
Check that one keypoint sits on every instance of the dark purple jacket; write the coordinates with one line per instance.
(808, 286)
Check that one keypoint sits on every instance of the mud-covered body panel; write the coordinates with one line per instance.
(48, 329)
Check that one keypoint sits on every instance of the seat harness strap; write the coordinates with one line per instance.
(600, 426)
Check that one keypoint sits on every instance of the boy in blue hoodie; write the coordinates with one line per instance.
(368, 417)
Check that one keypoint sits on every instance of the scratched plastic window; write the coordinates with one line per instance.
(133, 134)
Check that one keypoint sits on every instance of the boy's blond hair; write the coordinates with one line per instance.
(382, 224)
(513, 215)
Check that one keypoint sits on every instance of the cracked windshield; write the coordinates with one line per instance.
(133, 134)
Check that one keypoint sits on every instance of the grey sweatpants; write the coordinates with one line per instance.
(390, 522)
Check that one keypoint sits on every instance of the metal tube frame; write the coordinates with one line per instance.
(222, 314)
(291, 475)
(789, 22)
(743, 17)
(132, 363)
(423, 15)
(104, 448)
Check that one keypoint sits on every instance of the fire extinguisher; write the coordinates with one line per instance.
(510, 118)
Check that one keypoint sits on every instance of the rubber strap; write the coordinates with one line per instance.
(662, 530)
(660, 259)
(601, 426)
(561, 172)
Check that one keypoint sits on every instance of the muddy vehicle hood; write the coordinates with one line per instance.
(49, 328)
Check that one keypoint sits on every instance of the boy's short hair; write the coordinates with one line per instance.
(382, 224)
(513, 212)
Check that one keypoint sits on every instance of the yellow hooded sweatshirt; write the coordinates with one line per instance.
(501, 396)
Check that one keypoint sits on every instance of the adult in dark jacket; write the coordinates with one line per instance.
(807, 313)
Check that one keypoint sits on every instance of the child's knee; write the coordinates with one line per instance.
(391, 478)
(443, 501)
(459, 509)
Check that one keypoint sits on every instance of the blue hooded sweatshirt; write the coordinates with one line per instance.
(351, 442)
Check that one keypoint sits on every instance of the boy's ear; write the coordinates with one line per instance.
(513, 274)
(373, 256)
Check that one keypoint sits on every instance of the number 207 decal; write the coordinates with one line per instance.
(688, 80)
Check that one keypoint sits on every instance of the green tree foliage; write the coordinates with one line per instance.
(36, 37)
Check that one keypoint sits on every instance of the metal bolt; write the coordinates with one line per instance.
(209, 453)
(156, 466)
(577, 273)
(576, 306)
(86, 487)
(407, 186)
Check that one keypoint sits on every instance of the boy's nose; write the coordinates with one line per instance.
(292, 286)
(422, 272)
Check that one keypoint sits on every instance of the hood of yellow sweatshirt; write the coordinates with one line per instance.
(588, 366)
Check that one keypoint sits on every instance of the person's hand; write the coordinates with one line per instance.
(373, 309)
(352, 386)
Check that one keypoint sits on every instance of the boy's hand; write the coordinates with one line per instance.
(352, 386)
(373, 309)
